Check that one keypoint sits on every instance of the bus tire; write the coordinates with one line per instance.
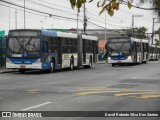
(113, 64)
(21, 71)
(71, 64)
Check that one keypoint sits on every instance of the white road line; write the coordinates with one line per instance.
(134, 78)
(36, 106)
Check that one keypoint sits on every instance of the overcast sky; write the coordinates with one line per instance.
(34, 20)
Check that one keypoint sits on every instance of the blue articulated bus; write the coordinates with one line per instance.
(29, 49)
(126, 50)
(154, 52)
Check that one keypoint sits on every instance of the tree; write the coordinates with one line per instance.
(156, 4)
(157, 42)
(139, 32)
(112, 5)
(109, 5)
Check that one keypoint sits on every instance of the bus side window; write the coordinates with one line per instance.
(45, 45)
(133, 47)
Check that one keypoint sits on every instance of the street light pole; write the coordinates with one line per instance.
(77, 21)
(132, 25)
(105, 26)
(9, 17)
(153, 30)
(159, 36)
(16, 18)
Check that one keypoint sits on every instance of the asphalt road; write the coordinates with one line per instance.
(101, 88)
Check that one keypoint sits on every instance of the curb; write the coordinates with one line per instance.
(104, 62)
(1, 72)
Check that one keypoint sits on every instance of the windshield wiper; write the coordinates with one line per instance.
(20, 43)
(122, 45)
(28, 43)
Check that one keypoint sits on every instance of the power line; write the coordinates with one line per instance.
(50, 7)
(107, 23)
(101, 18)
(51, 15)
(23, 10)
(53, 4)
(102, 26)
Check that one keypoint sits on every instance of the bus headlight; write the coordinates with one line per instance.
(8, 60)
(109, 58)
(129, 57)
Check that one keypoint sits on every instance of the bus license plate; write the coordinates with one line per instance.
(119, 61)
(22, 66)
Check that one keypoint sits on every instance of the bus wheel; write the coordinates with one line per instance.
(113, 64)
(52, 66)
(71, 64)
(21, 71)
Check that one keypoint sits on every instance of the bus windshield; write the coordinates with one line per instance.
(24, 46)
(117, 46)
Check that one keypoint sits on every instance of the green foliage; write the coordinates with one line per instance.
(107, 5)
(156, 4)
(157, 42)
(140, 33)
(113, 5)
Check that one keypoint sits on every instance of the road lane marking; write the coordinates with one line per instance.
(32, 107)
(33, 90)
(145, 96)
(139, 94)
(95, 92)
(136, 93)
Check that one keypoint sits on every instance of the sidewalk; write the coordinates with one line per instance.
(4, 70)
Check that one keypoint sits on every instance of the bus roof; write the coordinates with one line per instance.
(158, 46)
(139, 40)
(69, 35)
(87, 37)
(152, 45)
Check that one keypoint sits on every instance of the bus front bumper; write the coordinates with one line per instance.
(120, 61)
(23, 66)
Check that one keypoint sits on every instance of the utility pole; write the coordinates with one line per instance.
(85, 20)
(42, 24)
(77, 21)
(121, 24)
(16, 18)
(105, 26)
(9, 17)
(159, 36)
(24, 13)
(153, 30)
(133, 23)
